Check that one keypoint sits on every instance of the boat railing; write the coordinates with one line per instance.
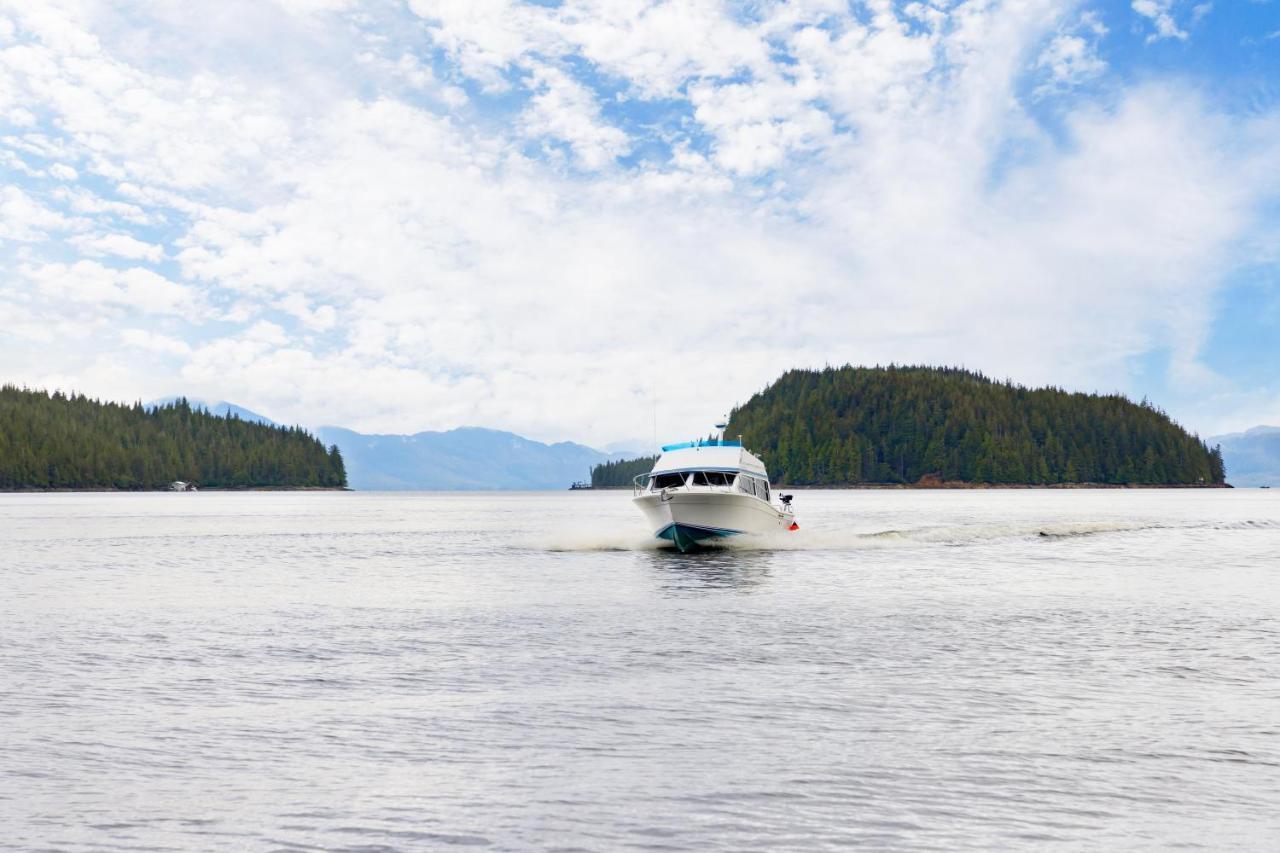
(639, 484)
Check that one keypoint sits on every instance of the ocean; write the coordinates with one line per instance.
(912, 670)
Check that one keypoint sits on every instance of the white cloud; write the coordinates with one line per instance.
(486, 36)
(312, 7)
(91, 283)
(81, 201)
(396, 258)
(129, 124)
(63, 172)
(659, 47)
(1071, 58)
(149, 341)
(758, 126)
(319, 319)
(266, 332)
(19, 117)
(563, 109)
(118, 245)
(1160, 13)
(25, 219)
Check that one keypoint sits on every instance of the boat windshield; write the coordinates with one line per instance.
(692, 478)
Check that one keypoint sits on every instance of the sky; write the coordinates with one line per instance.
(611, 221)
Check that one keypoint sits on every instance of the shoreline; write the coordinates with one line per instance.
(949, 486)
(33, 490)
(942, 486)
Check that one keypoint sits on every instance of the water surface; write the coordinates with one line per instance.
(912, 670)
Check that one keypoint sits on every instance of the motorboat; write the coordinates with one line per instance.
(703, 491)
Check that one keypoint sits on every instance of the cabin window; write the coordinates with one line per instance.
(744, 485)
(712, 478)
(764, 489)
(667, 481)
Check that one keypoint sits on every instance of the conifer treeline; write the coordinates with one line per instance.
(893, 424)
(55, 441)
(620, 472)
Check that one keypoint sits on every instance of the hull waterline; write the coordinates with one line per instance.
(690, 520)
(691, 537)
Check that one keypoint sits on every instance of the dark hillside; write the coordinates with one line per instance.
(620, 472)
(71, 442)
(850, 425)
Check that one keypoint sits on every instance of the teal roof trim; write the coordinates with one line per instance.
(705, 442)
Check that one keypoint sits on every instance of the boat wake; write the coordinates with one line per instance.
(597, 540)
(848, 540)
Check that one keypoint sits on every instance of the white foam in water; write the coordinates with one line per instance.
(835, 539)
(602, 538)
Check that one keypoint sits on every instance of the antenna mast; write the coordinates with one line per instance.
(653, 396)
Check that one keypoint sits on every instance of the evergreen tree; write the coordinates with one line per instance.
(56, 441)
(620, 473)
(913, 422)
(841, 426)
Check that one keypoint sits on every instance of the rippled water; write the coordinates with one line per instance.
(912, 670)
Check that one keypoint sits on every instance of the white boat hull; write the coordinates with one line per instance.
(692, 518)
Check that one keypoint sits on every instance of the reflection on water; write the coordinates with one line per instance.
(709, 569)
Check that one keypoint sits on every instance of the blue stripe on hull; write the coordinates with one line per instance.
(688, 536)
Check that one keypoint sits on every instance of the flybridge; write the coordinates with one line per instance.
(707, 456)
(704, 442)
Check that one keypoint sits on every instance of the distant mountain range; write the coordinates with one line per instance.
(467, 458)
(1252, 457)
(464, 458)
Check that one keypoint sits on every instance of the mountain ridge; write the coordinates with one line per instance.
(1253, 456)
(461, 459)
(465, 458)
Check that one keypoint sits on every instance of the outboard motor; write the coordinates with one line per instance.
(786, 500)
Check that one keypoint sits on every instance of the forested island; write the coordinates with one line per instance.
(58, 441)
(852, 426)
(619, 473)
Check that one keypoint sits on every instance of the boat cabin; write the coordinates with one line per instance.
(713, 465)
